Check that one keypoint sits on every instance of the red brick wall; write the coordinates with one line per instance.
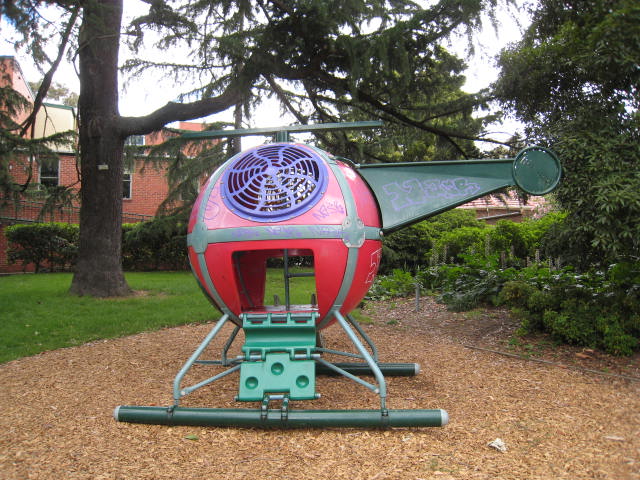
(149, 185)
(149, 188)
(11, 75)
(68, 171)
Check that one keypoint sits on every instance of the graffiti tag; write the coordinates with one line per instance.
(287, 231)
(414, 192)
(329, 208)
(373, 267)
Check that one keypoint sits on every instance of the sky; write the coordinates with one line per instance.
(142, 96)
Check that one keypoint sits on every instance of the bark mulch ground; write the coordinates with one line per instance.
(556, 421)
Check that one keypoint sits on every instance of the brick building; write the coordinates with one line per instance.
(144, 188)
(490, 209)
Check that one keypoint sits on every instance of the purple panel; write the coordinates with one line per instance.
(276, 182)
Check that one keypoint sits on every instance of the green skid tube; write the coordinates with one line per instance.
(387, 369)
(276, 418)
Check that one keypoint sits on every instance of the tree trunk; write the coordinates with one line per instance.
(236, 143)
(99, 265)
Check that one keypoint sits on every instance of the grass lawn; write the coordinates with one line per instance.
(38, 314)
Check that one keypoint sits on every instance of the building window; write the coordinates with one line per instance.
(135, 140)
(126, 184)
(49, 173)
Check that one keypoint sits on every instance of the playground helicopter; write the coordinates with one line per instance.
(288, 200)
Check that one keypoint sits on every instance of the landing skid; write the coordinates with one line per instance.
(277, 371)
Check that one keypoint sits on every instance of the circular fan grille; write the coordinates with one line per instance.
(274, 182)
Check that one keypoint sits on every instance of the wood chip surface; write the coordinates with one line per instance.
(557, 423)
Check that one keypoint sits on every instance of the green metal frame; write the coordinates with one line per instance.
(279, 363)
(276, 343)
(279, 418)
(295, 336)
(178, 390)
(281, 133)
(284, 417)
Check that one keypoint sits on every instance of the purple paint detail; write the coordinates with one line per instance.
(276, 182)
(211, 211)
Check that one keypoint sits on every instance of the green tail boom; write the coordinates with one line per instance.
(409, 192)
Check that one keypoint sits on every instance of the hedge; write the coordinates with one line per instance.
(159, 244)
(45, 245)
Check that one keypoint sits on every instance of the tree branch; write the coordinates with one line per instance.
(283, 98)
(46, 81)
(173, 111)
(236, 92)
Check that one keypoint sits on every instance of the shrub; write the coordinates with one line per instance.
(409, 248)
(449, 236)
(157, 244)
(600, 155)
(450, 220)
(430, 278)
(478, 281)
(399, 284)
(598, 309)
(516, 293)
(508, 236)
(536, 231)
(51, 245)
(554, 242)
(405, 248)
(160, 243)
(453, 244)
(595, 308)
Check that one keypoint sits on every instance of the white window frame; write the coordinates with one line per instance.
(127, 179)
(135, 140)
(49, 178)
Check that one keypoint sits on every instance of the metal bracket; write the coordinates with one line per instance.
(284, 409)
(353, 232)
(198, 238)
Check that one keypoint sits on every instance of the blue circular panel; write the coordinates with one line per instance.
(274, 182)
